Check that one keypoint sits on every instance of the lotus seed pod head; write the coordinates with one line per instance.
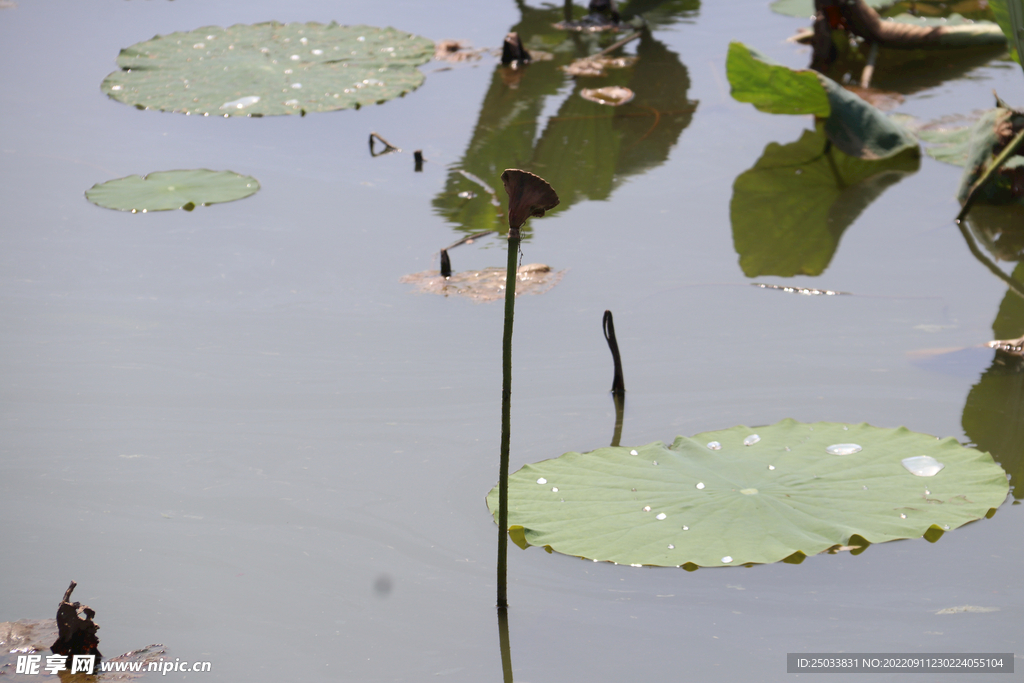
(528, 195)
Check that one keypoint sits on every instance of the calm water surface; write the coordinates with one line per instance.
(246, 439)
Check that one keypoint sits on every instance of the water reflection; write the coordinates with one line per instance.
(789, 211)
(585, 149)
(505, 646)
(994, 412)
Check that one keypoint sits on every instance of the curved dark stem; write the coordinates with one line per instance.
(388, 147)
(618, 384)
(506, 647)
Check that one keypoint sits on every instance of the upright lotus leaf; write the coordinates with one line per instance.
(790, 210)
(771, 87)
(1010, 17)
(861, 130)
(167, 190)
(269, 69)
(744, 495)
(989, 136)
(853, 125)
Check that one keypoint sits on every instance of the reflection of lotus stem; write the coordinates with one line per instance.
(506, 412)
(505, 645)
(996, 164)
(1014, 286)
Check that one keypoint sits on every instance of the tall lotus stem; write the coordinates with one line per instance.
(528, 195)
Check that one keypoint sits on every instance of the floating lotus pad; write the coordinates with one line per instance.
(167, 190)
(269, 69)
(712, 501)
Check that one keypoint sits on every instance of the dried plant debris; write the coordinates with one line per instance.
(487, 284)
(597, 66)
(457, 51)
(71, 636)
(1011, 346)
(613, 95)
(76, 636)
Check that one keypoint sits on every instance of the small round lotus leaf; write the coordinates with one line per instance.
(269, 69)
(782, 496)
(166, 190)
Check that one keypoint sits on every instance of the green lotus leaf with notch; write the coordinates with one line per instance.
(783, 496)
(167, 190)
(269, 69)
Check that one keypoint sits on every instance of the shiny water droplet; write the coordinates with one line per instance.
(700, 484)
(466, 194)
(865, 488)
(241, 102)
(845, 428)
(751, 440)
(946, 527)
(686, 528)
(671, 547)
(317, 52)
(771, 467)
(647, 508)
(304, 40)
(787, 448)
(715, 446)
(361, 38)
(633, 453)
(923, 465)
(296, 86)
(843, 449)
(655, 462)
(748, 492)
(633, 490)
(661, 515)
(636, 565)
(902, 516)
(115, 87)
(294, 58)
(727, 559)
(199, 46)
(542, 480)
(554, 489)
(927, 492)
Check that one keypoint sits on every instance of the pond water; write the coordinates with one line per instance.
(246, 439)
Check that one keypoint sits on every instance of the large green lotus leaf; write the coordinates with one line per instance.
(269, 69)
(166, 190)
(790, 210)
(771, 87)
(861, 130)
(853, 125)
(1010, 17)
(785, 495)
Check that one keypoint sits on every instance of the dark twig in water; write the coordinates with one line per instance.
(388, 147)
(512, 52)
(446, 264)
(418, 158)
(616, 45)
(618, 384)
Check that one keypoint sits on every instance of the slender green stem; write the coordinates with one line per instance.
(996, 164)
(506, 412)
